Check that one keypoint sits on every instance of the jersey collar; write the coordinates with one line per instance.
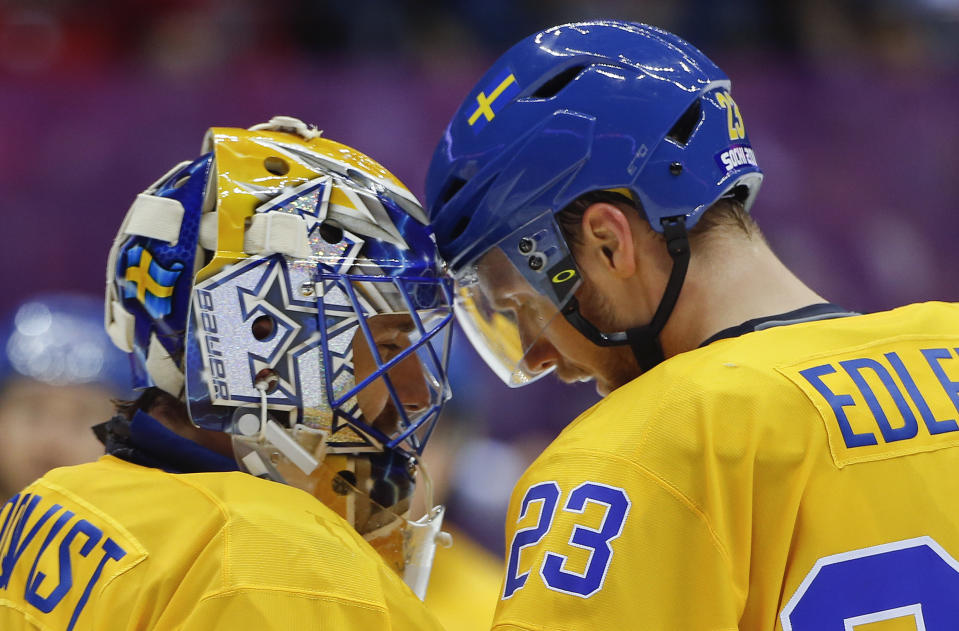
(147, 442)
(810, 313)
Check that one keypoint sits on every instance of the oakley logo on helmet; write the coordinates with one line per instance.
(563, 277)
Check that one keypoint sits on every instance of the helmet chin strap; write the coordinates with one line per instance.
(644, 340)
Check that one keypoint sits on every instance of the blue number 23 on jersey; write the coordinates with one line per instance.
(553, 569)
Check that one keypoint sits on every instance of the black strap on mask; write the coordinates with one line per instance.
(644, 340)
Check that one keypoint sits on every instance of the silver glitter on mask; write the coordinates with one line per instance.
(289, 291)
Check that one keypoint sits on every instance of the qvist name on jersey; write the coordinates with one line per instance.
(93, 547)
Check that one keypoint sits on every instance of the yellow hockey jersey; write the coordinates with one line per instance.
(798, 478)
(464, 584)
(114, 545)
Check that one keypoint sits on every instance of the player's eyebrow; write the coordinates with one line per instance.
(398, 322)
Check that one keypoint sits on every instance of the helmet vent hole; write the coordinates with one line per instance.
(276, 166)
(459, 228)
(476, 196)
(553, 86)
(683, 130)
(330, 233)
(453, 185)
(263, 327)
(181, 181)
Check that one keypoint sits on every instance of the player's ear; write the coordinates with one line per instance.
(608, 238)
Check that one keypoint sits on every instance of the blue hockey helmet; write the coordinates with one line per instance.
(578, 108)
(287, 288)
(58, 338)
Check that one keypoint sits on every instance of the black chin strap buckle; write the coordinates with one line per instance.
(677, 240)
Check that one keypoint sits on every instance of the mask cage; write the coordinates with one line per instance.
(428, 304)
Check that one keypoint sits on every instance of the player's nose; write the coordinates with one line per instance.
(540, 357)
(539, 354)
(410, 384)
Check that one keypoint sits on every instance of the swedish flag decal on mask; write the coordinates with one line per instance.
(149, 282)
(493, 98)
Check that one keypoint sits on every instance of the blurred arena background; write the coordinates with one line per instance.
(850, 106)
